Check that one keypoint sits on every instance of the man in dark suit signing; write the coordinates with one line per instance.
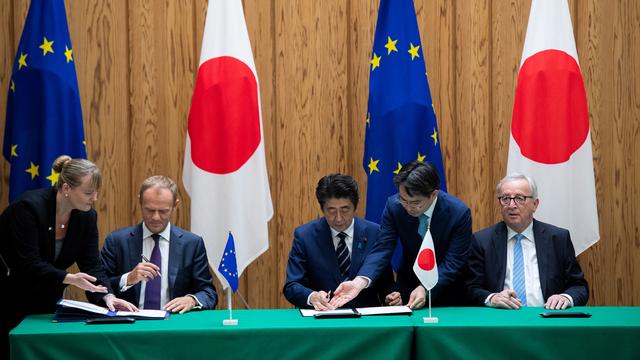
(155, 264)
(419, 206)
(332, 249)
(521, 261)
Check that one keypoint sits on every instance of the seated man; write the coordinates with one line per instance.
(156, 265)
(331, 249)
(521, 261)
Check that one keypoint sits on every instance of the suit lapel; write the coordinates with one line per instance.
(134, 243)
(176, 249)
(542, 244)
(357, 248)
(324, 242)
(499, 247)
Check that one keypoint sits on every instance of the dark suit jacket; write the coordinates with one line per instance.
(188, 266)
(557, 264)
(451, 231)
(28, 247)
(313, 265)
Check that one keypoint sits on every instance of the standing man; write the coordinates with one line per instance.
(417, 207)
(157, 265)
(521, 261)
(332, 249)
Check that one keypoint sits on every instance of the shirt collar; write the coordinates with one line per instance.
(165, 234)
(348, 231)
(528, 232)
(429, 211)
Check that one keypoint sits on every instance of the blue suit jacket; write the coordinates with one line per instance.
(313, 265)
(188, 266)
(559, 270)
(451, 231)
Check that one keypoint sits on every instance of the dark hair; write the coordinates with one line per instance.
(337, 186)
(73, 170)
(418, 178)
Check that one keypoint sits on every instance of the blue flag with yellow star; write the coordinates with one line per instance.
(401, 122)
(44, 117)
(228, 267)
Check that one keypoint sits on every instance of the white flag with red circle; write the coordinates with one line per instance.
(550, 138)
(425, 266)
(225, 171)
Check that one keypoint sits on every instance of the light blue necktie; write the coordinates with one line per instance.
(424, 225)
(518, 271)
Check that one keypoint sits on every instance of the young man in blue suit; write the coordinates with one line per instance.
(449, 220)
(331, 249)
(521, 261)
(156, 265)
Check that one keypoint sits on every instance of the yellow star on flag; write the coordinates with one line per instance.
(13, 86)
(46, 46)
(68, 53)
(368, 120)
(33, 170)
(421, 157)
(414, 51)
(375, 62)
(22, 61)
(434, 136)
(396, 171)
(373, 166)
(53, 177)
(391, 45)
(14, 150)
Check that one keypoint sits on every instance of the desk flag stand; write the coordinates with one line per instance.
(430, 319)
(230, 321)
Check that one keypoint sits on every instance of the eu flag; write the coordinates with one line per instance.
(44, 117)
(229, 265)
(401, 122)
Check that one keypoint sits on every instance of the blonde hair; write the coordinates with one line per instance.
(73, 170)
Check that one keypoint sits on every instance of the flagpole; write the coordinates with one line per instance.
(230, 321)
(430, 319)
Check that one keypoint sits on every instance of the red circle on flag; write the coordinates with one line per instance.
(550, 117)
(426, 259)
(224, 120)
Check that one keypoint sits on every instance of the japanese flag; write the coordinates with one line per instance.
(425, 267)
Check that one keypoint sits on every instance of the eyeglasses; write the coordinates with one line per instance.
(519, 199)
(416, 204)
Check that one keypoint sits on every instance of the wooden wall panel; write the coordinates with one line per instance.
(137, 61)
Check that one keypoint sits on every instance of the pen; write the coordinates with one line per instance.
(329, 295)
(144, 258)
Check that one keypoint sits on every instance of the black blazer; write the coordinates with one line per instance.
(28, 247)
(557, 264)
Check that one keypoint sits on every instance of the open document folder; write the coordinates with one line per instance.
(71, 310)
(366, 311)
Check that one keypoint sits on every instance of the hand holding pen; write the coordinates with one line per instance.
(320, 300)
(144, 271)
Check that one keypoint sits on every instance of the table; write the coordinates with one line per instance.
(261, 334)
(462, 333)
(470, 333)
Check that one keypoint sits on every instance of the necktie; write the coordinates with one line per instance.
(344, 258)
(424, 225)
(152, 290)
(518, 270)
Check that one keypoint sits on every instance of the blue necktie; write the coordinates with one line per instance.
(344, 258)
(518, 270)
(424, 225)
(152, 290)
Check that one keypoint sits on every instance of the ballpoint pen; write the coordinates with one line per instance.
(144, 258)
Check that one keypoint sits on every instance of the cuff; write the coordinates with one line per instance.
(123, 283)
(487, 301)
(198, 305)
(568, 297)
(368, 281)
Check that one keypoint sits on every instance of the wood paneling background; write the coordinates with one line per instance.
(137, 60)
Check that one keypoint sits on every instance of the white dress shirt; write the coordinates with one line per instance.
(531, 272)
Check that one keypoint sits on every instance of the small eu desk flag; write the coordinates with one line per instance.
(228, 265)
(44, 117)
(401, 122)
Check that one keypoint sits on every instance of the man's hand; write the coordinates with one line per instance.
(84, 282)
(320, 300)
(505, 299)
(144, 271)
(393, 299)
(347, 291)
(557, 302)
(114, 303)
(418, 298)
(181, 304)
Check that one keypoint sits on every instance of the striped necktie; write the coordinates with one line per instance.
(342, 253)
(519, 285)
